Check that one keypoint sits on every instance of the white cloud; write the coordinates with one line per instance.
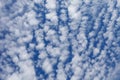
(31, 18)
(40, 46)
(69, 47)
(47, 67)
(42, 55)
(26, 70)
(14, 76)
(118, 3)
(95, 51)
(61, 74)
(46, 28)
(87, 1)
(52, 16)
(51, 4)
(37, 1)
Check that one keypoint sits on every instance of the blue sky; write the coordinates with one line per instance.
(59, 40)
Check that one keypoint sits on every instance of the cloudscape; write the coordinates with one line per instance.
(59, 39)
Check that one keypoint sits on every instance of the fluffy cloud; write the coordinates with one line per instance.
(59, 40)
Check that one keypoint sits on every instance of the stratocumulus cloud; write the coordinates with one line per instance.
(59, 40)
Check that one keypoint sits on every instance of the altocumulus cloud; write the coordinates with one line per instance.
(59, 40)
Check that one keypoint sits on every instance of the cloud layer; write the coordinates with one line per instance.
(59, 39)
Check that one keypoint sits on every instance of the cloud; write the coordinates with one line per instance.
(47, 67)
(59, 40)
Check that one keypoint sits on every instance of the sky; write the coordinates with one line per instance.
(59, 40)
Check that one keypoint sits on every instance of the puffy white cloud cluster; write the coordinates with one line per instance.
(59, 40)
